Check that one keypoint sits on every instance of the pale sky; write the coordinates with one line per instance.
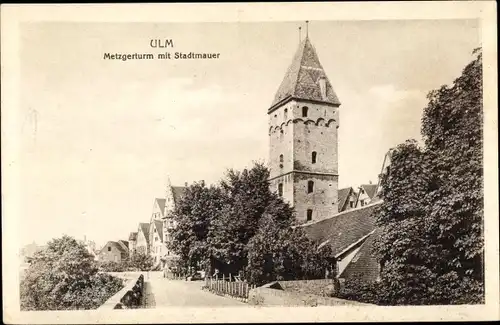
(99, 137)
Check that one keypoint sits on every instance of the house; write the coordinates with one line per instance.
(162, 223)
(142, 242)
(347, 199)
(114, 251)
(350, 234)
(132, 239)
(158, 247)
(365, 194)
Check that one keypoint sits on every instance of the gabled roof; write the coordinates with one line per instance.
(120, 245)
(302, 78)
(123, 244)
(364, 265)
(132, 236)
(161, 204)
(370, 189)
(144, 227)
(159, 228)
(178, 192)
(343, 195)
(344, 229)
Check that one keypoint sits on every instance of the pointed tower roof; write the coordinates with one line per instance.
(302, 80)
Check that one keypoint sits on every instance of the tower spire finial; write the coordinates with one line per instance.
(300, 38)
(307, 28)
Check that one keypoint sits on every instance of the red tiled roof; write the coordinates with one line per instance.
(302, 78)
(343, 229)
(364, 265)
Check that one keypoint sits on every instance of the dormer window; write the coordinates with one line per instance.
(304, 111)
(285, 114)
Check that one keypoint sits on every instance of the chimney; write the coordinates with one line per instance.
(322, 86)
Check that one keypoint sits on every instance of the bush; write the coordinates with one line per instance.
(64, 276)
(356, 290)
(112, 266)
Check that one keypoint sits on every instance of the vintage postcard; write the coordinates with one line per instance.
(287, 162)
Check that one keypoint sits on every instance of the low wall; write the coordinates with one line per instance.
(130, 296)
(267, 296)
(315, 287)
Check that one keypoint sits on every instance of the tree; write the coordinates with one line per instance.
(453, 133)
(194, 213)
(140, 261)
(285, 253)
(247, 198)
(431, 247)
(65, 276)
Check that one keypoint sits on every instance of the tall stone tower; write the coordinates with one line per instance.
(303, 123)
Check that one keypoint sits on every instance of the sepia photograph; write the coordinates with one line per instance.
(235, 165)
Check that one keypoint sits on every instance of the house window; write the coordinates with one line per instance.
(351, 204)
(313, 157)
(280, 189)
(310, 186)
(304, 111)
(109, 248)
(309, 214)
(286, 113)
(362, 202)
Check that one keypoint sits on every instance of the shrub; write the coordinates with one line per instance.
(367, 292)
(64, 276)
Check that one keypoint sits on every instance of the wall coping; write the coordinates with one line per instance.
(116, 298)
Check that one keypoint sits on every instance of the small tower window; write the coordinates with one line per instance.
(310, 186)
(304, 111)
(286, 114)
(309, 214)
(313, 157)
(280, 189)
(281, 158)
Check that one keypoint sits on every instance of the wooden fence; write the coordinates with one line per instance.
(227, 287)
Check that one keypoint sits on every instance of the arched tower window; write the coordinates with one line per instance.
(304, 111)
(280, 189)
(285, 114)
(313, 158)
(310, 186)
(309, 214)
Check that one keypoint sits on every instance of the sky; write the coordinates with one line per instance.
(98, 138)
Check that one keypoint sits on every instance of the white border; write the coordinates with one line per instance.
(12, 15)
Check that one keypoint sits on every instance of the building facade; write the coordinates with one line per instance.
(303, 125)
(114, 252)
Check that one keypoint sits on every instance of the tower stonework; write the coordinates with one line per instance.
(303, 125)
